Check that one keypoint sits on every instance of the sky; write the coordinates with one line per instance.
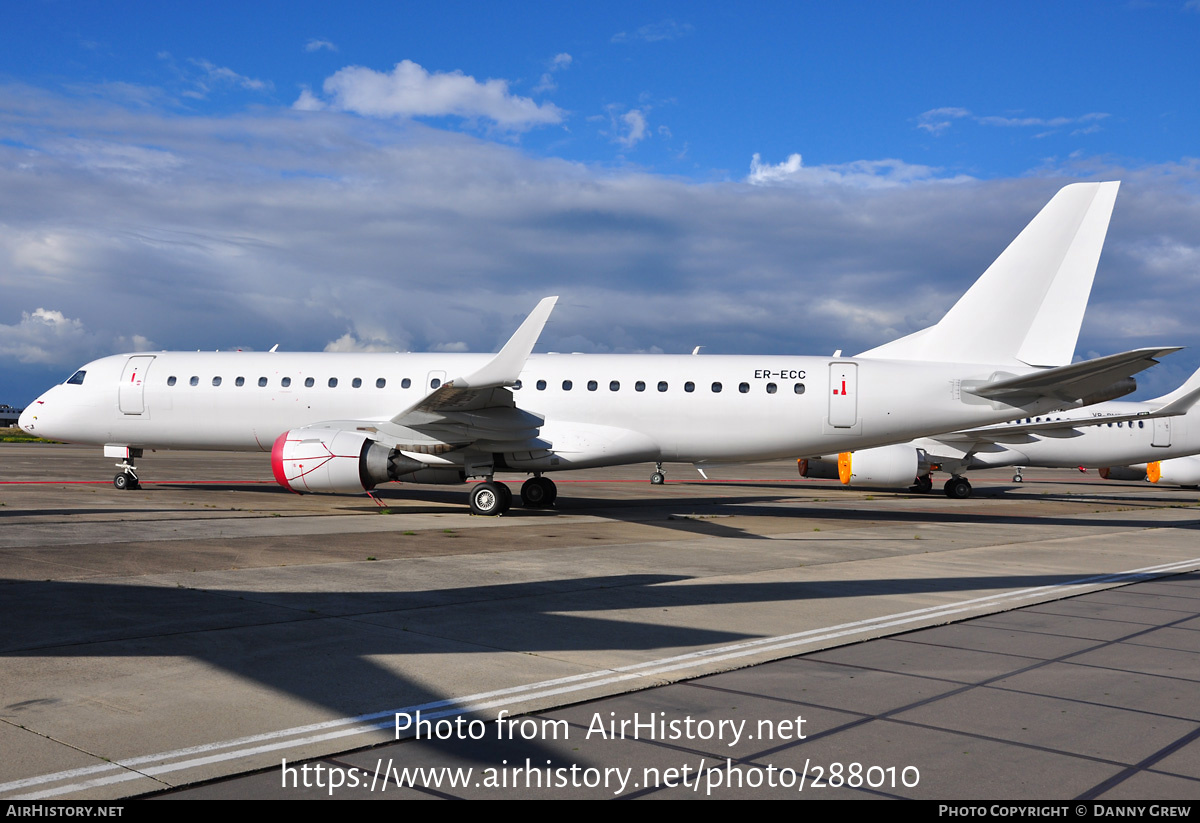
(751, 178)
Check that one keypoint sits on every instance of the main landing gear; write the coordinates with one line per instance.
(957, 488)
(538, 493)
(658, 478)
(491, 498)
(923, 485)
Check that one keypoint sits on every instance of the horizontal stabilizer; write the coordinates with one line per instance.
(1078, 380)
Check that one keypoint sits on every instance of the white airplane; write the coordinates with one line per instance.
(1120, 438)
(344, 423)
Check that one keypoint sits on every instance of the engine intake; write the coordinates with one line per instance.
(337, 461)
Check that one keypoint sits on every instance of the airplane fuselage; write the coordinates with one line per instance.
(1100, 444)
(597, 409)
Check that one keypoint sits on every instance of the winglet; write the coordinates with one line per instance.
(505, 367)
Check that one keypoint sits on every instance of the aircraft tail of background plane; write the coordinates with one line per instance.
(1182, 399)
(1027, 308)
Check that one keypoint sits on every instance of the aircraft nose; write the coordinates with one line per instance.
(28, 418)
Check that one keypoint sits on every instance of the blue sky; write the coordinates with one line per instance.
(751, 177)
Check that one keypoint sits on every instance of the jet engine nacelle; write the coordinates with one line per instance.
(1122, 387)
(890, 466)
(818, 468)
(1178, 471)
(338, 461)
(1122, 473)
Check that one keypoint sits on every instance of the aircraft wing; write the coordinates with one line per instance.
(1070, 383)
(478, 408)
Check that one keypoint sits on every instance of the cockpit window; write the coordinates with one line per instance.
(77, 378)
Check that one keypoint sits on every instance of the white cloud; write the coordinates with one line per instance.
(557, 63)
(49, 337)
(858, 174)
(655, 32)
(411, 91)
(349, 343)
(937, 121)
(315, 44)
(307, 101)
(214, 75)
(634, 123)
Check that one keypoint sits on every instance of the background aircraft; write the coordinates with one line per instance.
(1159, 432)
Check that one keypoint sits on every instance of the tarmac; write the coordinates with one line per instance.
(1038, 640)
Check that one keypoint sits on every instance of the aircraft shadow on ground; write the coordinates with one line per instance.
(325, 648)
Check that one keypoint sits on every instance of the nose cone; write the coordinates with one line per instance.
(28, 419)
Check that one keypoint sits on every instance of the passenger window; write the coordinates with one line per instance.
(216, 381)
(639, 385)
(356, 383)
(333, 382)
(286, 382)
(716, 387)
(241, 381)
(743, 387)
(404, 384)
(171, 380)
(799, 388)
(308, 382)
(614, 385)
(517, 386)
(435, 383)
(567, 385)
(541, 385)
(662, 385)
(77, 378)
(772, 388)
(591, 385)
(195, 381)
(1141, 424)
(689, 386)
(262, 381)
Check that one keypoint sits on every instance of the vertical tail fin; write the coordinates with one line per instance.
(1028, 306)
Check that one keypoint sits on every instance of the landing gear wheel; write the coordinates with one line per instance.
(924, 485)
(657, 479)
(1017, 478)
(126, 482)
(538, 493)
(487, 499)
(957, 488)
